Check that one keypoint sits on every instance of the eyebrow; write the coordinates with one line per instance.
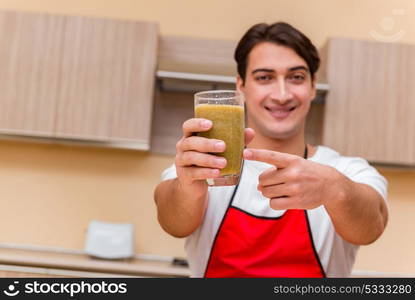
(263, 70)
(273, 71)
(299, 68)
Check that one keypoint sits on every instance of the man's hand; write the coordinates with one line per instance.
(194, 159)
(294, 182)
(182, 201)
(358, 212)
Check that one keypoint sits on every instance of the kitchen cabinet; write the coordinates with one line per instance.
(18, 262)
(75, 78)
(30, 62)
(370, 107)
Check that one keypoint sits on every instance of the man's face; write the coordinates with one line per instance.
(278, 91)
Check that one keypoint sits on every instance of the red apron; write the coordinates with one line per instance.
(251, 246)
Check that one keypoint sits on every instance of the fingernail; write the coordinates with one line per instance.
(248, 154)
(219, 146)
(220, 162)
(206, 123)
(215, 172)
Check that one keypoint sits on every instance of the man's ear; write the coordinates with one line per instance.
(239, 84)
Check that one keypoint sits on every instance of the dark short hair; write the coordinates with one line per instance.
(279, 33)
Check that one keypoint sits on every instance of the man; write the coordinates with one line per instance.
(299, 210)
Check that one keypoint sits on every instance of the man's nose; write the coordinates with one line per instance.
(281, 92)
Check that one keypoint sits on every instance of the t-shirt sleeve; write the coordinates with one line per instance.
(359, 170)
(169, 173)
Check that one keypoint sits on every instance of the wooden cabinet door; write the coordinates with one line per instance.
(30, 57)
(77, 78)
(370, 108)
(107, 80)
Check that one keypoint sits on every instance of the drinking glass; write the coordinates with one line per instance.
(225, 108)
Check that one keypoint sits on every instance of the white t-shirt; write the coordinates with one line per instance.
(336, 255)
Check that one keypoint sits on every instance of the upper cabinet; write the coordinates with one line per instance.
(77, 78)
(30, 63)
(197, 56)
(370, 107)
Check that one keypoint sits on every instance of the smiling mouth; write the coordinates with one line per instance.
(280, 113)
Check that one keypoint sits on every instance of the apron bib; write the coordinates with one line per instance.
(251, 246)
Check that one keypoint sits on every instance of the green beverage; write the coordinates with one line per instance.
(228, 126)
(226, 111)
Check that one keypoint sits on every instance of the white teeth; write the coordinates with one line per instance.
(281, 110)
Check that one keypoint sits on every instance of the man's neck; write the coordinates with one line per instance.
(293, 145)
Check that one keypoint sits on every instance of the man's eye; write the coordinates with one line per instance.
(297, 78)
(263, 78)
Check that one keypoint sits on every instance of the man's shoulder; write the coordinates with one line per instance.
(355, 168)
(328, 156)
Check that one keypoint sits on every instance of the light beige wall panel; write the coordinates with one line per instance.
(227, 19)
(394, 251)
(50, 193)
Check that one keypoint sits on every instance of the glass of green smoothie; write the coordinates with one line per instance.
(225, 108)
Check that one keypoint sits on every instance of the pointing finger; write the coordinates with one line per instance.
(278, 159)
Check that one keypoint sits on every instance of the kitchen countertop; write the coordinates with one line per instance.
(84, 262)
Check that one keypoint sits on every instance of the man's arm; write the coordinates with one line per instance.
(180, 209)
(181, 202)
(358, 211)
